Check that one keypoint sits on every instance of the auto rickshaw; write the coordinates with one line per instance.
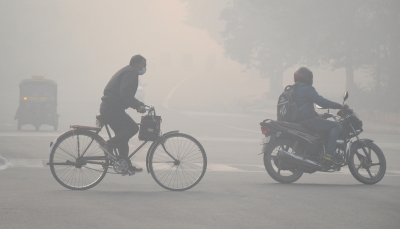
(37, 103)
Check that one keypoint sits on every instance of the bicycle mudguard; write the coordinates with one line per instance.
(154, 143)
(52, 145)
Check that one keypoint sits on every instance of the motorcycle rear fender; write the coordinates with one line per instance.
(277, 134)
(153, 144)
(265, 146)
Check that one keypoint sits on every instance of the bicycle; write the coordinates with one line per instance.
(78, 161)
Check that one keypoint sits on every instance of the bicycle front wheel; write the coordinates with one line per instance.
(178, 162)
(76, 160)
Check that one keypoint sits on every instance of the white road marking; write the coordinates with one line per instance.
(214, 139)
(4, 163)
(387, 145)
(29, 134)
(197, 113)
(382, 145)
(211, 167)
(28, 163)
(222, 168)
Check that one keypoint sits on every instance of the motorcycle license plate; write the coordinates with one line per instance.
(265, 140)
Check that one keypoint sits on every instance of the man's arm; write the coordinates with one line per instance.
(321, 101)
(126, 90)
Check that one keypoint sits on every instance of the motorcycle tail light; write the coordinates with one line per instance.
(265, 130)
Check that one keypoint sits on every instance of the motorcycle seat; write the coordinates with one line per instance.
(296, 126)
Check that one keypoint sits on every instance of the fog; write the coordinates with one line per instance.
(81, 44)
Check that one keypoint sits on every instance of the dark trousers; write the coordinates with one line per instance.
(123, 126)
(322, 126)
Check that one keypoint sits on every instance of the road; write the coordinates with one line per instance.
(236, 191)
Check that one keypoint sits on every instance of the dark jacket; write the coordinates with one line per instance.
(305, 97)
(121, 89)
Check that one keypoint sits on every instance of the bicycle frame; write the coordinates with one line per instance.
(78, 152)
(92, 159)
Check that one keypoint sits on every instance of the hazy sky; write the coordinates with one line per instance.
(81, 44)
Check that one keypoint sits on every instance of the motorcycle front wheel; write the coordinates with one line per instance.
(277, 168)
(367, 171)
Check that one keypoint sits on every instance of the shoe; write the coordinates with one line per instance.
(333, 159)
(132, 170)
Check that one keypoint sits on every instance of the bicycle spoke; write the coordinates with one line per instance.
(183, 173)
(67, 152)
(81, 174)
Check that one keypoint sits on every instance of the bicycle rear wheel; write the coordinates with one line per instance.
(68, 166)
(184, 169)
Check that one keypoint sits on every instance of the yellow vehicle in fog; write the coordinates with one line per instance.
(37, 103)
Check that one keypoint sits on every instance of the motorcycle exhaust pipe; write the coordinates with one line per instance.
(300, 160)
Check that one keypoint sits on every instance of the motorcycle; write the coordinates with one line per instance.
(291, 150)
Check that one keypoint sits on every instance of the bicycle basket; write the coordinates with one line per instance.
(149, 128)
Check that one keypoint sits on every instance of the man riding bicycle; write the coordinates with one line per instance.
(119, 95)
(305, 97)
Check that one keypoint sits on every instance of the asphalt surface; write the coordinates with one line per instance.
(236, 191)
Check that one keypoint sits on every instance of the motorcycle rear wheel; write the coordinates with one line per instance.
(276, 169)
(367, 172)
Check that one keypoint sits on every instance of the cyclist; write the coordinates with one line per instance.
(119, 95)
(305, 97)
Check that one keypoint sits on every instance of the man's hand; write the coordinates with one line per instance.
(345, 107)
(141, 109)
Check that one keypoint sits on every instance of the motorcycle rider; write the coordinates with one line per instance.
(305, 97)
(119, 95)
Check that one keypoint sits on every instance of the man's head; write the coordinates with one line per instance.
(138, 62)
(303, 75)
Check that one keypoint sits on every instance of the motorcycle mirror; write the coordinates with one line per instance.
(345, 96)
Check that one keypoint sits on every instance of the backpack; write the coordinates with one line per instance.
(287, 108)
